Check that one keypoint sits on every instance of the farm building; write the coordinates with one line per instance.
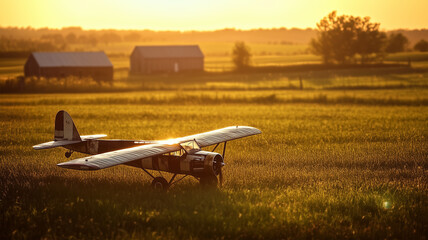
(153, 59)
(63, 64)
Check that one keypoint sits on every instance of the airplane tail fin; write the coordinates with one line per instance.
(65, 128)
(65, 133)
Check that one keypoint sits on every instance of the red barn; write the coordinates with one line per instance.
(153, 59)
(63, 64)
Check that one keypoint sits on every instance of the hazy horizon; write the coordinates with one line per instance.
(193, 15)
(186, 31)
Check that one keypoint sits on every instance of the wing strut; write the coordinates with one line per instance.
(148, 173)
(215, 147)
(171, 183)
(172, 179)
(220, 174)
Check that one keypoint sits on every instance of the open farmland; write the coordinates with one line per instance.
(316, 80)
(320, 169)
(345, 157)
(217, 56)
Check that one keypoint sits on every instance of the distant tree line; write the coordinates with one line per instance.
(28, 40)
(13, 39)
(293, 35)
(348, 39)
(28, 45)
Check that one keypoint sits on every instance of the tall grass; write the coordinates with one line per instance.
(50, 85)
(389, 97)
(317, 171)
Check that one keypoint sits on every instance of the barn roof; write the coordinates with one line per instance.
(72, 59)
(176, 51)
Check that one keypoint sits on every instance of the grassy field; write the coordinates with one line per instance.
(279, 78)
(321, 169)
(344, 158)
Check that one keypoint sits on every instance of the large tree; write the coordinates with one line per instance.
(421, 46)
(370, 41)
(241, 55)
(396, 43)
(342, 38)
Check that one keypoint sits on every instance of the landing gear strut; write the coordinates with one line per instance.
(161, 183)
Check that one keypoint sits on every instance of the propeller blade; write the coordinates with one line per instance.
(220, 174)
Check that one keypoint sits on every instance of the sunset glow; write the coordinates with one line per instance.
(205, 15)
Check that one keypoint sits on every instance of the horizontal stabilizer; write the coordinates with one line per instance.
(54, 144)
(61, 143)
(92, 137)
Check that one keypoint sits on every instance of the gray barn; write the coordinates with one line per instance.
(63, 64)
(153, 59)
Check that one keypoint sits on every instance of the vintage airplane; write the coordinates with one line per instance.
(178, 156)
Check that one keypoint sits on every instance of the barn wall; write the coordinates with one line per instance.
(97, 73)
(168, 65)
(135, 62)
(31, 68)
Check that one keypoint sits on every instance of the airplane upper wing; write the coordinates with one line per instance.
(220, 135)
(117, 157)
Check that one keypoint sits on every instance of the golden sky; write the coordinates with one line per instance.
(205, 14)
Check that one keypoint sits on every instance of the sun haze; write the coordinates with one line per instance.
(205, 15)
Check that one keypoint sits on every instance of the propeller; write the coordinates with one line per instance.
(220, 172)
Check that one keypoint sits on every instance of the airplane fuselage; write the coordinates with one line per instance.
(195, 163)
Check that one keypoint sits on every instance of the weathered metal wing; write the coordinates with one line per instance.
(220, 135)
(122, 156)
(109, 159)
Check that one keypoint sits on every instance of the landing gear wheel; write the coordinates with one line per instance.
(208, 181)
(160, 183)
